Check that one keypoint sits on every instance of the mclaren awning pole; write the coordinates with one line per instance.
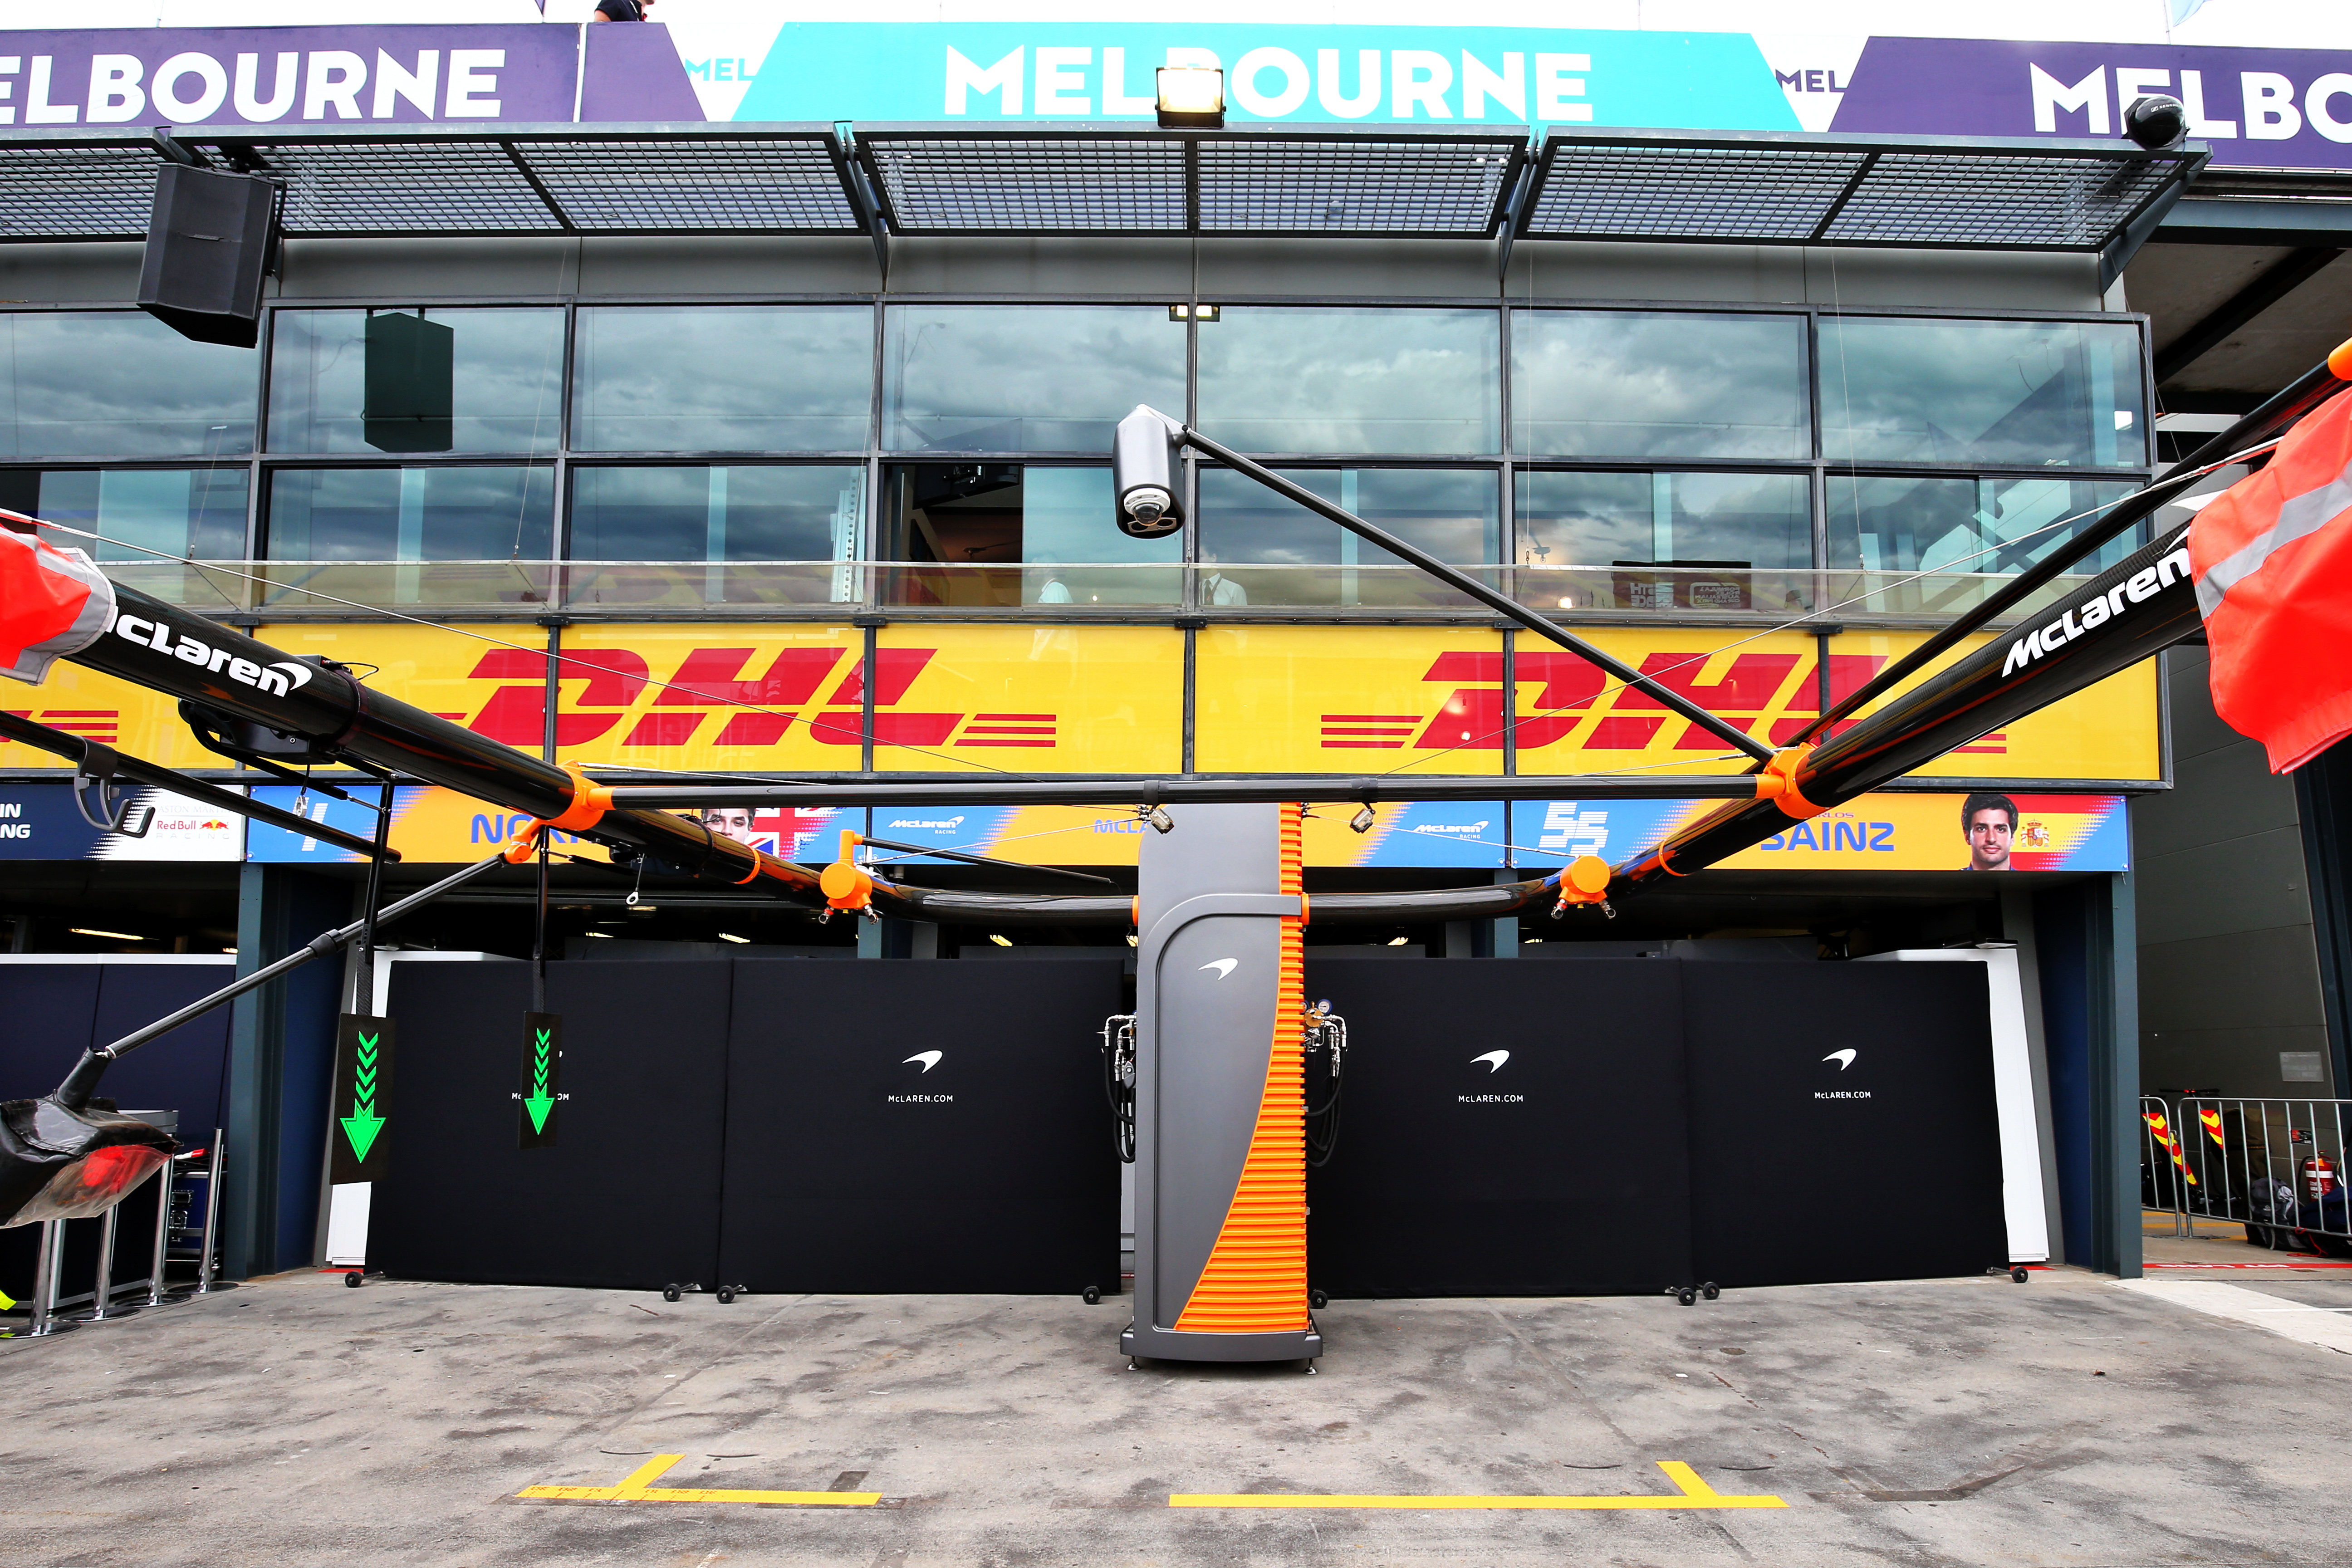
(76, 1089)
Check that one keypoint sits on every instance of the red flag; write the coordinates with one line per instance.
(52, 602)
(2273, 560)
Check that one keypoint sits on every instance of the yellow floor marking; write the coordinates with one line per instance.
(638, 1487)
(1694, 1493)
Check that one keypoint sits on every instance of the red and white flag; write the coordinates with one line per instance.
(53, 601)
(2273, 560)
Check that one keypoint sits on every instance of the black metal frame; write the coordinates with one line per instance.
(858, 160)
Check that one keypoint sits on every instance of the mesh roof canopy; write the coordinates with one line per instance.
(1013, 177)
(1121, 180)
(1766, 189)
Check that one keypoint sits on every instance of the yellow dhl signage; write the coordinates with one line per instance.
(965, 698)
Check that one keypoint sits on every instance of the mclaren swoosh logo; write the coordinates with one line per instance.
(1844, 1058)
(1223, 966)
(928, 1059)
(1493, 1061)
(296, 672)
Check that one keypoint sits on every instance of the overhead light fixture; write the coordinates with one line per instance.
(1194, 312)
(605, 934)
(1364, 818)
(1001, 941)
(112, 935)
(1191, 98)
(731, 936)
(1396, 941)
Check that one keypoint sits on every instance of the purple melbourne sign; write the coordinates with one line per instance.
(329, 77)
(2276, 109)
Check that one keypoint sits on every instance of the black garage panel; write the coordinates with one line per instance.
(989, 1167)
(49, 1015)
(1559, 1170)
(1808, 1168)
(627, 1197)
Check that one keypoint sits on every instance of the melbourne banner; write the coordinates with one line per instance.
(2268, 83)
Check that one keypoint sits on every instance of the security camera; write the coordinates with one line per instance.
(1143, 475)
(2157, 122)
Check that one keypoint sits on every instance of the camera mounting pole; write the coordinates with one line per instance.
(1143, 475)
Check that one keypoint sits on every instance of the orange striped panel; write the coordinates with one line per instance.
(1256, 1281)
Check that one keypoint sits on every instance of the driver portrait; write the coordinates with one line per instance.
(1989, 824)
(730, 822)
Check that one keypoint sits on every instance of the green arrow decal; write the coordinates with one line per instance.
(539, 1102)
(363, 1126)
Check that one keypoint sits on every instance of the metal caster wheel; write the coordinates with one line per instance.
(725, 1297)
(1091, 1295)
(669, 1292)
(2017, 1275)
(1311, 1370)
(1711, 1290)
(352, 1280)
(1317, 1300)
(1686, 1296)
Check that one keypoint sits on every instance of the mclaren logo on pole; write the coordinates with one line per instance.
(278, 679)
(2144, 584)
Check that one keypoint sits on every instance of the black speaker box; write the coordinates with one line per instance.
(207, 245)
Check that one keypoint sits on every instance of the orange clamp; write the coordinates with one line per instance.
(590, 802)
(1584, 880)
(2339, 364)
(526, 844)
(844, 885)
(1777, 783)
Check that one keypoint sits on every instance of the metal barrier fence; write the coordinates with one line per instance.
(2275, 1166)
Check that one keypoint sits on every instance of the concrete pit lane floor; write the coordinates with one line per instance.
(2064, 1421)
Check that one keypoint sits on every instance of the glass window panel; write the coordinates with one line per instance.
(1025, 378)
(1914, 524)
(2030, 394)
(1279, 379)
(120, 384)
(1002, 533)
(732, 378)
(1450, 512)
(1665, 519)
(411, 514)
(1629, 383)
(764, 514)
(194, 512)
(416, 381)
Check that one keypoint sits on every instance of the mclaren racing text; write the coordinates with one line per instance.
(2099, 612)
(277, 680)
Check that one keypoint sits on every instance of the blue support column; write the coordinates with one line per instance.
(281, 1053)
(2089, 1002)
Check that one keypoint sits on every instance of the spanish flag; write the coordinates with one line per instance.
(2273, 561)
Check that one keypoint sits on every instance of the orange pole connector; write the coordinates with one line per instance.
(844, 885)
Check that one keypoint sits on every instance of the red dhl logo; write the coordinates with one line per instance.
(99, 724)
(1778, 691)
(617, 685)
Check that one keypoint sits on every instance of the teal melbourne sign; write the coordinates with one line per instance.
(1376, 75)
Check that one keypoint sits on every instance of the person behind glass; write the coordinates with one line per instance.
(621, 11)
(1990, 822)
(1216, 588)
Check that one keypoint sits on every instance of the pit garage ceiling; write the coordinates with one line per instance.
(2189, 291)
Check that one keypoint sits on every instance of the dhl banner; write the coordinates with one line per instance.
(1028, 699)
(1884, 832)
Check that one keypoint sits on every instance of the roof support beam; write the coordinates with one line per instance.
(2282, 278)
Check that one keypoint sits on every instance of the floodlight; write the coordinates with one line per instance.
(2157, 122)
(1160, 821)
(1143, 475)
(1192, 96)
(1364, 818)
